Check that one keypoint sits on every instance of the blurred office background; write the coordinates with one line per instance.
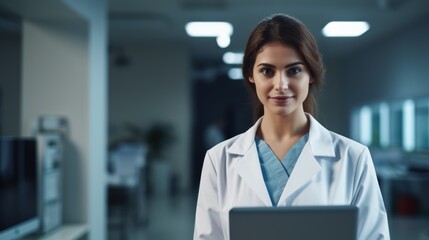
(142, 100)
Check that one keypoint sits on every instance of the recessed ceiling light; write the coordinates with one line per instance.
(221, 30)
(223, 41)
(208, 29)
(345, 28)
(233, 58)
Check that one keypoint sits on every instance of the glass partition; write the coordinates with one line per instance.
(422, 124)
(401, 124)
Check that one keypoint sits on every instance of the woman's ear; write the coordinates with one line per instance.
(251, 80)
(311, 80)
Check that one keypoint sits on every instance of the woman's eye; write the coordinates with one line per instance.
(266, 71)
(293, 71)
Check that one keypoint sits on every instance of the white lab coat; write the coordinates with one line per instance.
(331, 170)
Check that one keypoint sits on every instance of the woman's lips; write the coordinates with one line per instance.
(282, 100)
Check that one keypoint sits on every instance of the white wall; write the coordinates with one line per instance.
(55, 82)
(155, 87)
(65, 73)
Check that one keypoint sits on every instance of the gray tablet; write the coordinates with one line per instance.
(303, 223)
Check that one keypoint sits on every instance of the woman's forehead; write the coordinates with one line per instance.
(277, 51)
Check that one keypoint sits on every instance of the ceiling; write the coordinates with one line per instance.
(153, 21)
(133, 22)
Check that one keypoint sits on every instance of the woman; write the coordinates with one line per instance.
(287, 158)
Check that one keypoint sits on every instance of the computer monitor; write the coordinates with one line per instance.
(18, 187)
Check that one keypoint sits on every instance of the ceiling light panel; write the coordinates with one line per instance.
(235, 74)
(233, 58)
(345, 28)
(208, 29)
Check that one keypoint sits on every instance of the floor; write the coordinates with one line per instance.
(167, 218)
(173, 218)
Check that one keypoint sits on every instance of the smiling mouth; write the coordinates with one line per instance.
(281, 98)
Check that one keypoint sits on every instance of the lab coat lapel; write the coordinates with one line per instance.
(305, 169)
(319, 144)
(249, 170)
(248, 166)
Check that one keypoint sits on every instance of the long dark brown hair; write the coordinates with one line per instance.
(289, 31)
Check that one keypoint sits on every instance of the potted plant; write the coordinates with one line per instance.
(158, 137)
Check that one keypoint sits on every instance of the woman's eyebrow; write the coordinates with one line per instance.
(265, 65)
(294, 64)
(287, 66)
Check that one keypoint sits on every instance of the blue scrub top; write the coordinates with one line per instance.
(276, 172)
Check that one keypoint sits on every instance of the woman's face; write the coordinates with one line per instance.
(281, 79)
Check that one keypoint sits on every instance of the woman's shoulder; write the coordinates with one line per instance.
(218, 154)
(325, 137)
(237, 144)
(343, 142)
(346, 140)
(226, 144)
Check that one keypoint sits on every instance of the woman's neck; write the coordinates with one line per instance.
(278, 127)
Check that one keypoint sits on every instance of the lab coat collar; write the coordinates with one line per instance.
(319, 144)
(250, 169)
(245, 140)
(305, 169)
(319, 139)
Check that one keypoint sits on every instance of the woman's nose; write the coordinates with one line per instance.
(281, 82)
